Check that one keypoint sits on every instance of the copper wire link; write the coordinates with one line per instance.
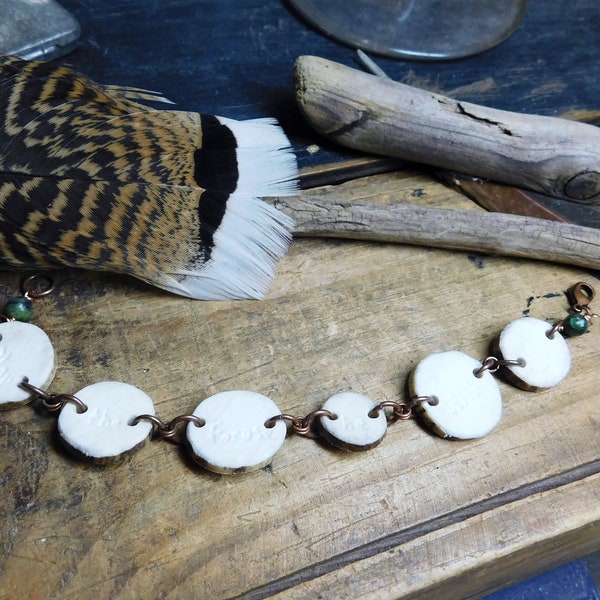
(32, 291)
(556, 328)
(54, 402)
(559, 327)
(401, 411)
(580, 296)
(493, 364)
(302, 425)
(169, 430)
(587, 313)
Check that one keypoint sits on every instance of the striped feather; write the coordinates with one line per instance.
(91, 179)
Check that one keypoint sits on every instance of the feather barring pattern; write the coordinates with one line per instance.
(90, 178)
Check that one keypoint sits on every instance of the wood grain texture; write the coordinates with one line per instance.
(416, 513)
(502, 234)
(427, 566)
(377, 115)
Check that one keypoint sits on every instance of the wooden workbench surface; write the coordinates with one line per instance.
(416, 514)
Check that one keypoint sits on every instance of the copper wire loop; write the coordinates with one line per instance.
(431, 400)
(54, 402)
(169, 431)
(586, 312)
(580, 295)
(156, 422)
(31, 288)
(556, 328)
(302, 425)
(294, 421)
(401, 411)
(493, 364)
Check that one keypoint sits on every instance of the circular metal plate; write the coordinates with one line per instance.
(416, 29)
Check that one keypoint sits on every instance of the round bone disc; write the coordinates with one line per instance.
(104, 432)
(26, 353)
(547, 361)
(468, 407)
(234, 438)
(353, 429)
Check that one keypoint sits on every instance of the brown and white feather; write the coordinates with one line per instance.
(92, 179)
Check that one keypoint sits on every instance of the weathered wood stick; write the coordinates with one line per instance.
(554, 156)
(488, 233)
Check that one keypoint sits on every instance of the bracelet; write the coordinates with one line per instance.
(454, 395)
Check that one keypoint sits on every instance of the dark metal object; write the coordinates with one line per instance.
(416, 29)
(37, 30)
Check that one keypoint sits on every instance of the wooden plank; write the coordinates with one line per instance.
(496, 549)
(340, 315)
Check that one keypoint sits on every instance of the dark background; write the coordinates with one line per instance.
(235, 58)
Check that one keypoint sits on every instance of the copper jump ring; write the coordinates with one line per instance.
(519, 362)
(431, 400)
(168, 431)
(32, 290)
(197, 421)
(580, 295)
(302, 425)
(270, 423)
(54, 402)
(400, 411)
(62, 399)
(587, 313)
(493, 364)
(157, 424)
(306, 427)
(556, 328)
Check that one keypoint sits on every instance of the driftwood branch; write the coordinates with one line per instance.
(488, 233)
(377, 115)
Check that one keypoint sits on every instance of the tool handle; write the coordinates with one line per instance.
(554, 156)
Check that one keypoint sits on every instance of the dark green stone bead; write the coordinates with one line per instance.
(19, 308)
(575, 324)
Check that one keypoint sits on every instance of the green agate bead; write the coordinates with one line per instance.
(19, 308)
(575, 324)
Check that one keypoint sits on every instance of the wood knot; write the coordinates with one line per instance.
(584, 187)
